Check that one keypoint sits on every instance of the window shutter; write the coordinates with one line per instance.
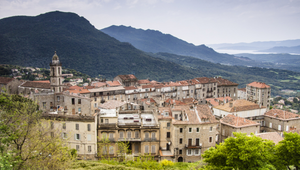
(75, 136)
(287, 128)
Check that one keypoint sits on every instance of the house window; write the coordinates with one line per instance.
(189, 152)
(79, 101)
(270, 125)
(136, 134)
(111, 135)
(73, 101)
(95, 99)
(153, 135)
(180, 141)
(65, 135)
(77, 136)
(146, 149)
(58, 98)
(79, 109)
(197, 130)
(89, 149)
(197, 142)
(146, 135)
(77, 126)
(190, 130)
(77, 148)
(210, 139)
(121, 134)
(89, 137)
(181, 130)
(168, 124)
(44, 105)
(95, 104)
(168, 134)
(287, 128)
(111, 150)
(128, 134)
(180, 151)
(197, 152)
(106, 121)
(279, 127)
(89, 127)
(153, 149)
(211, 128)
(176, 116)
(64, 125)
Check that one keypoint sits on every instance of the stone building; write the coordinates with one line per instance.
(56, 78)
(117, 123)
(231, 123)
(127, 80)
(78, 131)
(186, 131)
(276, 120)
(242, 94)
(227, 88)
(9, 84)
(259, 93)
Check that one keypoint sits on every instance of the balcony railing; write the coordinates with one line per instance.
(193, 146)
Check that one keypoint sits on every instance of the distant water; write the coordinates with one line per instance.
(246, 51)
(241, 51)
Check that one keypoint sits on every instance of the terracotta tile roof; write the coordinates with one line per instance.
(81, 91)
(5, 80)
(147, 86)
(128, 77)
(36, 85)
(75, 87)
(189, 101)
(224, 82)
(212, 101)
(146, 81)
(273, 136)
(173, 101)
(98, 84)
(242, 89)
(183, 83)
(281, 114)
(130, 88)
(43, 81)
(89, 87)
(112, 104)
(204, 80)
(227, 98)
(113, 83)
(258, 85)
(204, 115)
(239, 105)
(172, 84)
(147, 102)
(235, 121)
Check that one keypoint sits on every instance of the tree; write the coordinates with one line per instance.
(241, 152)
(28, 141)
(288, 151)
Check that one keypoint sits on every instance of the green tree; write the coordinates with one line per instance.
(28, 141)
(288, 151)
(241, 152)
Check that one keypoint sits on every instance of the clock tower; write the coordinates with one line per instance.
(55, 75)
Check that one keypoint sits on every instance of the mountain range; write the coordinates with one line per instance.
(31, 41)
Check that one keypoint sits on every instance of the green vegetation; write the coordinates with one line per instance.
(27, 141)
(251, 152)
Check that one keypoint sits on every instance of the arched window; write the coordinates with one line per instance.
(53, 71)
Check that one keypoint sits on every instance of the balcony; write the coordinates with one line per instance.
(107, 125)
(150, 140)
(193, 146)
(130, 139)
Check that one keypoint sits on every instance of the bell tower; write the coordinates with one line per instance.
(55, 75)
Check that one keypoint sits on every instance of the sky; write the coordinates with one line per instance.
(195, 21)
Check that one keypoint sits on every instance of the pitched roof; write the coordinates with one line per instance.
(258, 85)
(235, 121)
(273, 136)
(281, 114)
(5, 80)
(34, 84)
(112, 104)
(146, 81)
(147, 86)
(98, 84)
(128, 77)
(81, 91)
(173, 101)
(189, 101)
(75, 87)
(204, 80)
(148, 102)
(224, 82)
(130, 88)
(43, 81)
(113, 83)
(238, 105)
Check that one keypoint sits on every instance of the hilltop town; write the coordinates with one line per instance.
(176, 121)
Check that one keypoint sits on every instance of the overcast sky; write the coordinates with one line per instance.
(195, 21)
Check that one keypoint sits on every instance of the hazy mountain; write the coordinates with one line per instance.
(260, 45)
(280, 49)
(31, 41)
(155, 41)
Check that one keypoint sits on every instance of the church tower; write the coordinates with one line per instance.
(55, 75)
